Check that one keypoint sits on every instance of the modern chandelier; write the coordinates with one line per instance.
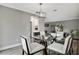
(40, 12)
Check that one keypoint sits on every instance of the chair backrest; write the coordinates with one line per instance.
(42, 34)
(66, 43)
(26, 44)
(59, 35)
(69, 45)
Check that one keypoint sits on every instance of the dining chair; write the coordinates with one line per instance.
(61, 48)
(42, 33)
(29, 47)
(59, 36)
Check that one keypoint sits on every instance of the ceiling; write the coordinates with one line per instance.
(54, 11)
(31, 7)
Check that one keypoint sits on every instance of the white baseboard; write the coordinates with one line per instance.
(11, 46)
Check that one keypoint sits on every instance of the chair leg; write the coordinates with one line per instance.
(49, 52)
(72, 51)
(43, 51)
(22, 52)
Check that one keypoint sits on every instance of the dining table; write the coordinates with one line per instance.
(45, 39)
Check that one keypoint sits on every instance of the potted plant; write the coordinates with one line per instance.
(75, 33)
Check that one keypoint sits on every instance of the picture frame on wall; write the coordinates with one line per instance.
(46, 25)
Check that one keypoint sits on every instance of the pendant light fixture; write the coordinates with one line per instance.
(40, 12)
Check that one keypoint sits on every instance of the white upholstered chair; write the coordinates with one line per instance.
(61, 48)
(29, 47)
(59, 36)
(42, 33)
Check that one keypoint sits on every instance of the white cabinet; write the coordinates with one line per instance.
(37, 24)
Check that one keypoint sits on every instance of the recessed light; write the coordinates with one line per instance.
(55, 10)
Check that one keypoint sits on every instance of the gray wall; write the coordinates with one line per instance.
(68, 25)
(13, 23)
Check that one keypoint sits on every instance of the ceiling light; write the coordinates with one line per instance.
(40, 12)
